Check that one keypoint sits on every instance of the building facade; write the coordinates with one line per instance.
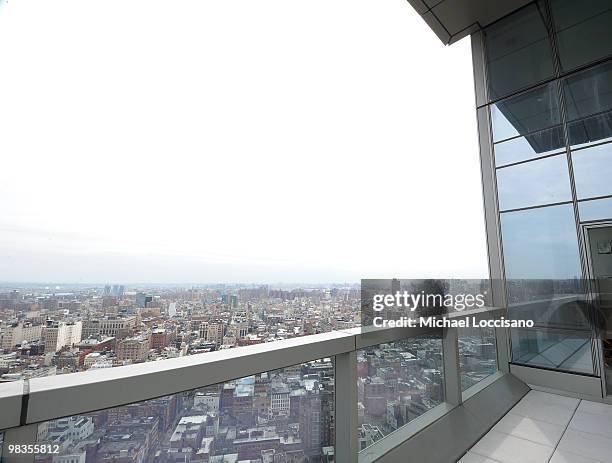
(544, 106)
(17, 333)
(134, 349)
(543, 85)
(61, 334)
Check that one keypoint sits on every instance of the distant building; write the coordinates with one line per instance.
(15, 334)
(96, 344)
(161, 337)
(32, 371)
(142, 300)
(135, 349)
(60, 334)
(93, 358)
(280, 400)
(207, 401)
(117, 327)
(212, 331)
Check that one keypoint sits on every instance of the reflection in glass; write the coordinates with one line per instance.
(282, 415)
(541, 243)
(531, 111)
(599, 239)
(550, 303)
(556, 349)
(591, 130)
(543, 181)
(593, 171)
(584, 32)
(477, 355)
(597, 209)
(531, 146)
(544, 284)
(397, 382)
(518, 52)
(589, 92)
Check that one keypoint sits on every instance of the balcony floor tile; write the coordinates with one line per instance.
(475, 458)
(510, 449)
(531, 429)
(548, 428)
(565, 457)
(592, 446)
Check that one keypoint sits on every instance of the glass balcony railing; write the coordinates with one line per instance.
(397, 382)
(284, 414)
(477, 355)
(343, 396)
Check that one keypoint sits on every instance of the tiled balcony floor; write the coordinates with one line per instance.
(547, 428)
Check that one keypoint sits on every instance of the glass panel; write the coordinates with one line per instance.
(584, 31)
(600, 255)
(589, 92)
(477, 355)
(597, 209)
(544, 284)
(591, 130)
(531, 111)
(282, 415)
(541, 243)
(531, 146)
(549, 303)
(557, 349)
(593, 171)
(397, 382)
(518, 52)
(534, 183)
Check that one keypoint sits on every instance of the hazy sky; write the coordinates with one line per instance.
(236, 141)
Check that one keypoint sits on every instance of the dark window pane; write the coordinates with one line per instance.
(591, 130)
(584, 30)
(531, 146)
(596, 209)
(534, 183)
(593, 171)
(518, 52)
(541, 243)
(589, 93)
(528, 112)
(557, 349)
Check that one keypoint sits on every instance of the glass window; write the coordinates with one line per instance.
(584, 31)
(556, 349)
(553, 303)
(531, 146)
(534, 183)
(593, 171)
(589, 93)
(397, 382)
(518, 52)
(285, 413)
(597, 209)
(595, 129)
(477, 355)
(541, 243)
(528, 112)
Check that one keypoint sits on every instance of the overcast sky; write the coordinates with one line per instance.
(234, 141)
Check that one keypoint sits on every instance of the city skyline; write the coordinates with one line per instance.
(280, 415)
